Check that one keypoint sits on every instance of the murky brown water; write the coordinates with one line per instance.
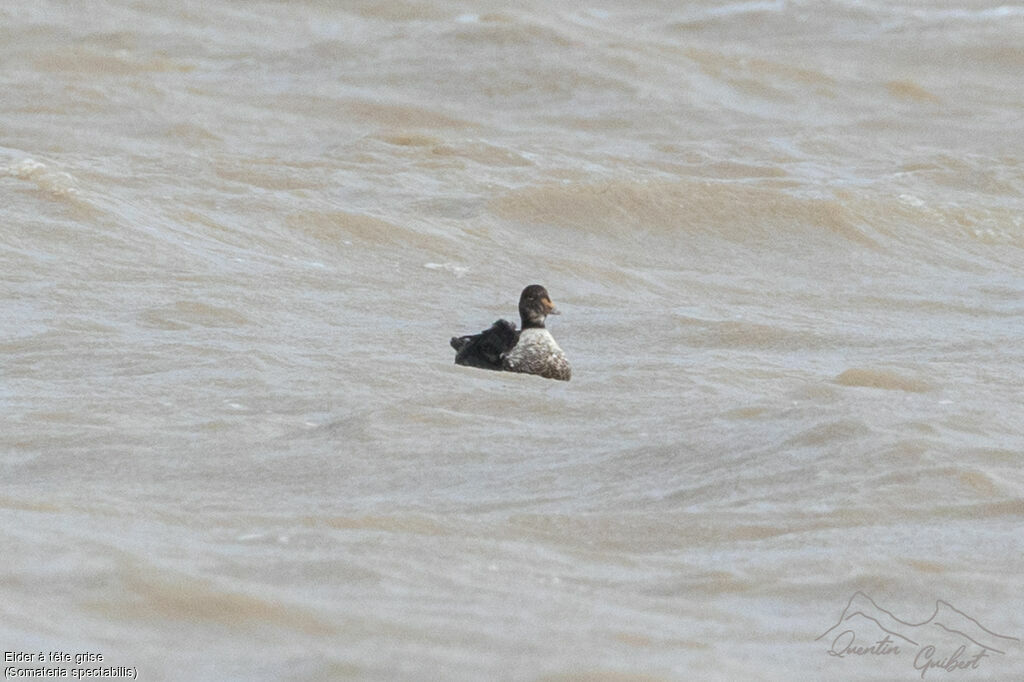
(787, 239)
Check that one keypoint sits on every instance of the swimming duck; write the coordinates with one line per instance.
(531, 350)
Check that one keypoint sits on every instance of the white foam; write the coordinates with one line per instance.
(59, 183)
(457, 270)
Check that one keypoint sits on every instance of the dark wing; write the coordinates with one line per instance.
(485, 350)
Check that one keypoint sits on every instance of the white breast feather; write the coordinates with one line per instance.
(537, 353)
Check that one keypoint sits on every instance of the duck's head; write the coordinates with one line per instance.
(534, 306)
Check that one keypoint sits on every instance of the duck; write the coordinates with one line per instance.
(529, 350)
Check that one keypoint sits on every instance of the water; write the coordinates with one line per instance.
(786, 239)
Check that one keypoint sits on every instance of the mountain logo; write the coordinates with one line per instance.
(949, 640)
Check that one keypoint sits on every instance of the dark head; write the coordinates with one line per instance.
(534, 306)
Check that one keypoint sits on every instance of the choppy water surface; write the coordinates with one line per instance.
(786, 238)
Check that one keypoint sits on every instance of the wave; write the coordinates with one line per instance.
(166, 594)
(343, 229)
(883, 379)
(735, 211)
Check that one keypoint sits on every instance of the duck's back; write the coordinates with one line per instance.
(486, 349)
(537, 353)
